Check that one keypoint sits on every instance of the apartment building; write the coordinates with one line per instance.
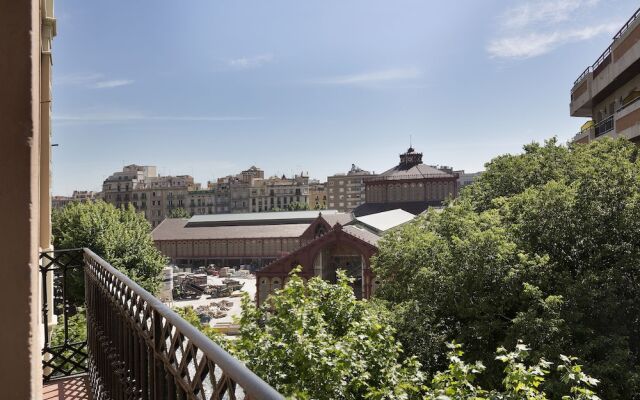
(466, 178)
(201, 202)
(608, 91)
(317, 195)
(150, 193)
(345, 192)
(279, 193)
(78, 195)
(118, 188)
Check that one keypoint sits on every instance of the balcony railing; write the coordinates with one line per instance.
(135, 347)
(604, 126)
(607, 52)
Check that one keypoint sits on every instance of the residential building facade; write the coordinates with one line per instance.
(148, 192)
(466, 178)
(317, 195)
(78, 195)
(608, 91)
(279, 193)
(345, 192)
(201, 202)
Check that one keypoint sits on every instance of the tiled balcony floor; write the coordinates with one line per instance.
(75, 388)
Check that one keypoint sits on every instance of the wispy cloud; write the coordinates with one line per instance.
(371, 77)
(535, 27)
(111, 83)
(250, 62)
(77, 79)
(117, 117)
(91, 81)
(543, 11)
(537, 43)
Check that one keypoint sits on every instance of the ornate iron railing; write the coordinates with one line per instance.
(137, 348)
(62, 275)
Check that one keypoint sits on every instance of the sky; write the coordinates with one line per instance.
(211, 87)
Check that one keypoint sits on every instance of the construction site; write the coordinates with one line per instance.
(214, 293)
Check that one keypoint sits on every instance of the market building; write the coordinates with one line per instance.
(254, 239)
(411, 186)
(326, 249)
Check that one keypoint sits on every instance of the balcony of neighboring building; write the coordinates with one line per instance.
(132, 345)
(625, 122)
(619, 63)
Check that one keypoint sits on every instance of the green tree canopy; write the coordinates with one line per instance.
(179, 212)
(120, 236)
(316, 341)
(544, 247)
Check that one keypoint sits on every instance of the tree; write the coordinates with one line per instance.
(318, 342)
(544, 247)
(179, 212)
(521, 380)
(297, 206)
(314, 340)
(121, 236)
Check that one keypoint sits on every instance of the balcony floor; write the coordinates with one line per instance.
(76, 388)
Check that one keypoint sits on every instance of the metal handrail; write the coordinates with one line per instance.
(608, 50)
(622, 107)
(233, 370)
(627, 24)
(604, 126)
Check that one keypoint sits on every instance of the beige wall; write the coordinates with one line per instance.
(26, 188)
(345, 192)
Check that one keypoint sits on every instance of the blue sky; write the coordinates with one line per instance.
(209, 88)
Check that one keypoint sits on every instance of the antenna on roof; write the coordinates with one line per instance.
(410, 141)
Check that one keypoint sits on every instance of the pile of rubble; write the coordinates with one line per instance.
(214, 310)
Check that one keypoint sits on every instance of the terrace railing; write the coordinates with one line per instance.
(605, 57)
(136, 347)
(604, 126)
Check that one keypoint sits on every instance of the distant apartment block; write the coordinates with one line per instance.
(78, 195)
(608, 91)
(150, 193)
(248, 191)
(201, 202)
(232, 193)
(466, 178)
(279, 193)
(345, 192)
(317, 195)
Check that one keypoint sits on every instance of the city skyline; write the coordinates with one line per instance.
(211, 89)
